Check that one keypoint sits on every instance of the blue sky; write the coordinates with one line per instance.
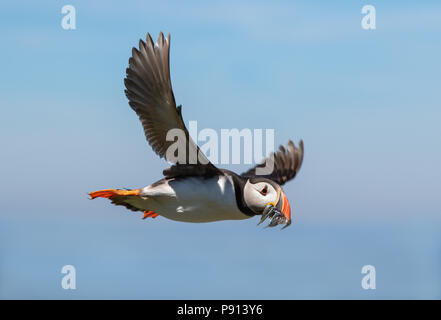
(366, 103)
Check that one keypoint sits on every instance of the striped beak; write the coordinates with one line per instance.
(279, 214)
(285, 208)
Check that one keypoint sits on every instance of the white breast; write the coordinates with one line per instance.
(194, 199)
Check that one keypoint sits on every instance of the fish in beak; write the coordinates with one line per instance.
(279, 213)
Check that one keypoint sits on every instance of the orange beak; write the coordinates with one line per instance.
(279, 214)
(286, 209)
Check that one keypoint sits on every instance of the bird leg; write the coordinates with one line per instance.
(109, 193)
(150, 214)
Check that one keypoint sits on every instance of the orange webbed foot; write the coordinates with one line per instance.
(150, 214)
(109, 193)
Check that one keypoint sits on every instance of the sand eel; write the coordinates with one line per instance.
(193, 189)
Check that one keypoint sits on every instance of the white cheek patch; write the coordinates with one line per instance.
(255, 200)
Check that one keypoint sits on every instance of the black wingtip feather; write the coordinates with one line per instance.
(287, 163)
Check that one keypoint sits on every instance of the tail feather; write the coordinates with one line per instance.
(121, 201)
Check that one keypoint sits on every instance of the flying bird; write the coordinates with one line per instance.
(193, 189)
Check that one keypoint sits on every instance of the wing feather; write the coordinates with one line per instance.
(287, 163)
(150, 95)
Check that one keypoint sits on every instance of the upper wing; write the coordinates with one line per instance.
(150, 94)
(286, 163)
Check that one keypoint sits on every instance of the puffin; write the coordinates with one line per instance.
(193, 189)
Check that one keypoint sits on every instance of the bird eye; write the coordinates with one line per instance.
(264, 191)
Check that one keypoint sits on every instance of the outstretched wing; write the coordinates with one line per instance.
(150, 94)
(285, 164)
